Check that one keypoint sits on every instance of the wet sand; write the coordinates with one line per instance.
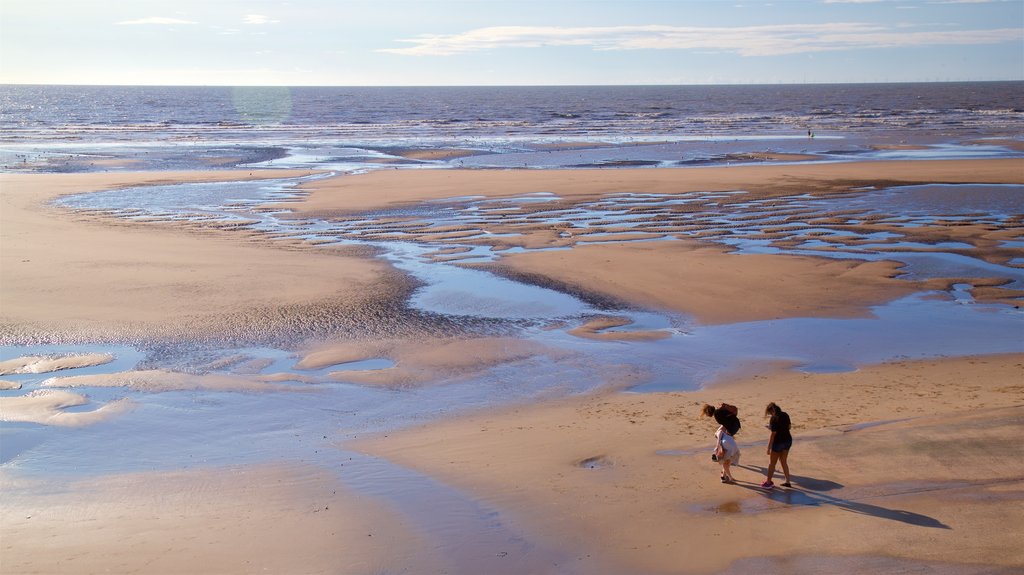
(696, 278)
(910, 465)
(68, 277)
(713, 286)
(434, 154)
(375, 190)
(267, 518)
(420, 361)
(49, 407)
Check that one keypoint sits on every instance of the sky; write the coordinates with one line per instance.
(507, 42)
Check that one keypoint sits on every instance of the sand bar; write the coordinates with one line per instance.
(714, 286)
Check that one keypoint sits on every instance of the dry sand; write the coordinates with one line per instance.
(625, 480)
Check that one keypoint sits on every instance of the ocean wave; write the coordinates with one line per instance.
(99, 114)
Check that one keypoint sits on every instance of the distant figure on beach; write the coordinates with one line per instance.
(727, 452)
(779, 443)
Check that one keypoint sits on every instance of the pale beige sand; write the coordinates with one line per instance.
(47, 407)
(422, 360)
(46, 364)
(943, 483)
(286, 518)
(8, 385)
(92, 278)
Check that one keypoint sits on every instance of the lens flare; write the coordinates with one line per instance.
(262, 104)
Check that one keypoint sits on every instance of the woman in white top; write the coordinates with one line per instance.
(727, 452)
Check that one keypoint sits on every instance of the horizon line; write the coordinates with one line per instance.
(851, 83)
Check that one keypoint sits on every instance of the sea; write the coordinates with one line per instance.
(63, 128)
(350, 130)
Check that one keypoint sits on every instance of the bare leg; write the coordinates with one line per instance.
(785, 465)
(771, 465)
(725, 469)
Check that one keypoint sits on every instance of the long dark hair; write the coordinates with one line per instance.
(772, 409)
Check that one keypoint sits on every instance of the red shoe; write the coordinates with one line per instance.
(767, 484)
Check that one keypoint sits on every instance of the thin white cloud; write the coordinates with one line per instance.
(154, 20)
(258, 19)
(928, 2)
(745, 40)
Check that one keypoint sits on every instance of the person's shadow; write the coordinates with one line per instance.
(809, 492)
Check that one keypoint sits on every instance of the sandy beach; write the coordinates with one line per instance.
(890, 472)
(905, 466)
